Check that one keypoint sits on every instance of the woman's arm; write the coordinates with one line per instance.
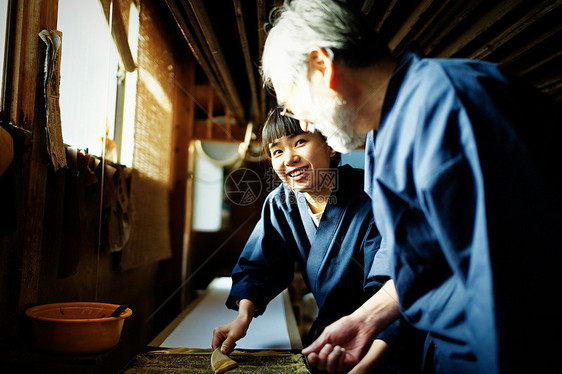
(226, 336)
(374, 358)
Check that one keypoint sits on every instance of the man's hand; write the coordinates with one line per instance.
(342, 344)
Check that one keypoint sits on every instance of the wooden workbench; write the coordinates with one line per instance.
(272, 344)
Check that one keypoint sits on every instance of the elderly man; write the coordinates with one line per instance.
(460, 162)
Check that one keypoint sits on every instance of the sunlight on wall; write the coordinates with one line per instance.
(155, 88)
(129, 105)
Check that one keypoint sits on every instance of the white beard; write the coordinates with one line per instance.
(335, 122)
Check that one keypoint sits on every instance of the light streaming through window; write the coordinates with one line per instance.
(88, 74)
(3, 33)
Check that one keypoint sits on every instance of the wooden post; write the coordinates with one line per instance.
(180, 199)
(27, 112)
(227, 125)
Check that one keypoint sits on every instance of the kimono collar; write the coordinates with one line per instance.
(339, 198)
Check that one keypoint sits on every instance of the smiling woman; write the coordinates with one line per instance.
(319, 218)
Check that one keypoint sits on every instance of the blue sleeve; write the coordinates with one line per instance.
(406, 345)
(370, 246)
(266, 265)
(381, 268)
(390, 335)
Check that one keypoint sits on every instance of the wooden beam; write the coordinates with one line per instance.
(429, 18)
(247, 57)
(540, 63)
(387, 12)
(483, 24)
(227, 124)
(553, 32)
(447, 22)
(409, 24)
(211, 44)
(367, 5)
(548, 81)
(193, 35)
(536, 14)
(555, 91)
(119, 33)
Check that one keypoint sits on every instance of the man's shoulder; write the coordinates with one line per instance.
(455, 73)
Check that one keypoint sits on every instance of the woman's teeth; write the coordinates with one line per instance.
(296, 173)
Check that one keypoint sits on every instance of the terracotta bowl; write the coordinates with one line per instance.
(76, 327)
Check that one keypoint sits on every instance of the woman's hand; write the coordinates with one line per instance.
(226, 336)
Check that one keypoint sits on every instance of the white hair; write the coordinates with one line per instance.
(302, 25)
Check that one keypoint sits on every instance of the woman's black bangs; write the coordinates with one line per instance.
(277, 126)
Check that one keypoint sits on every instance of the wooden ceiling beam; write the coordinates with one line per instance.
(505, 31)
(400, 38)
(540, 63)
(247, 57)
(211, 44)
(191, 35)
(194, 23)
(536, 14)
(454, 14)
(367, 5)
(553, 32)
(387, 12)
(555, 91)
(483, 24)
(549, 81)
(429, 20)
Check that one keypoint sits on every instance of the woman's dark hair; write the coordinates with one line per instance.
(277, 126)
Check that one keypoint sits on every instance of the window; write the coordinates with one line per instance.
(3, 36)
(97, 96)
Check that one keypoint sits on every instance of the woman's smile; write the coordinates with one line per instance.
(298, 174)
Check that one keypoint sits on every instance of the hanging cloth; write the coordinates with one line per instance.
(51, 85)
